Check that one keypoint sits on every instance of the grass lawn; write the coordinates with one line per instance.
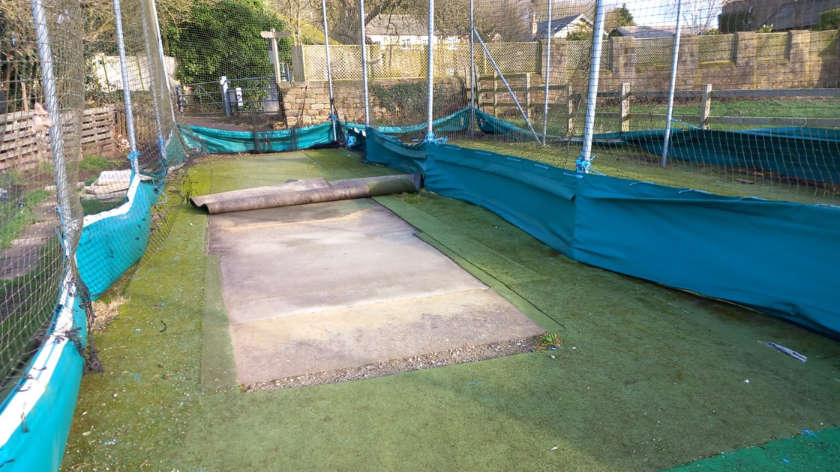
(633, 163)
(637, 165)
(17, 215)
(778, 108)
(646, 377)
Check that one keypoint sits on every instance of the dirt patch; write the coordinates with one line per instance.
(243, 122)
(106, 312)
(460, 355)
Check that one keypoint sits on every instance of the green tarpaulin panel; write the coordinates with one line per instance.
(783, 151)
(113, 240)
(217, 141)
(778, 257)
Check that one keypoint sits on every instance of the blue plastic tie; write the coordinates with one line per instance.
(430, 138)
(583, 166)
(332, 117)
(351, 141)
(133, 155)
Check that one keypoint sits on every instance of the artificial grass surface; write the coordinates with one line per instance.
(646, 378)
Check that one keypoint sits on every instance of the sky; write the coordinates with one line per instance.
(645, 12)
(663, 12)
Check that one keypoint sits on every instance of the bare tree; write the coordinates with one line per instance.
(343, 16)
(698, 16)
(296, 10)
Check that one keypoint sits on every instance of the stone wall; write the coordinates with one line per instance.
(307, 103)
(794, 59)
(748, 60)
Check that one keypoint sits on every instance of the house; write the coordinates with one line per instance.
(561, 27)
(405, 30)
(645, 32)
(749, 15)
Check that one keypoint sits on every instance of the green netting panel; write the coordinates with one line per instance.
(452, 123)
(776, 150)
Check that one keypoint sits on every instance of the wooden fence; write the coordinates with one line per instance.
(493, 97)
(23, 147)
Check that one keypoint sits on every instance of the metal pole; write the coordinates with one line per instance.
(547, 76)
(472, 68)
(364, 62)
(430, 73)
(592, 96)
(507, 85)
(674, 61)
(129, 114)
(56, 132)
(155, 99)
(329, 67)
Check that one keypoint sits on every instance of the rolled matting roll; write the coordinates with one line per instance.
(301, 192)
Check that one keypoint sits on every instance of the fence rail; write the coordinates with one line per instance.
(495, 98)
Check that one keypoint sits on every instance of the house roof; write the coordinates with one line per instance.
(644, 32)
(396, 25)
(559, 24)
(799, 14)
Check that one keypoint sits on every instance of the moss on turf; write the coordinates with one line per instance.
(646, 377)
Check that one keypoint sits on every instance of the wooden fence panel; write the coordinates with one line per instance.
(22, 147)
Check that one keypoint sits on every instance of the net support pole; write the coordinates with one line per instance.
(364, 63)
(506, 84)
(155, 98)
(55, 132)
(166, 86)
(129, 114)
(673, 86)
(472, 68)
(430, 73)
(585, 160)
(329, 67)
(547, 73)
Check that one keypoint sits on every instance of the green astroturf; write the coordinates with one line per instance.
(646, 377)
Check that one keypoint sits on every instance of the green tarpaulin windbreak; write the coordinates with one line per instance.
(778, 257)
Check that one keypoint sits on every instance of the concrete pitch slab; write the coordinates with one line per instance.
(340, 285)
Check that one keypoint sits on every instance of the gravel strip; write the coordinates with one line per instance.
(458, 355)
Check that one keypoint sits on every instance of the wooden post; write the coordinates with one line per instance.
(570, 103)
(477, 90)
(495, 88)
(706, 109)
(467, 82)
(139, 73)
(624, 108)
(528, 95)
